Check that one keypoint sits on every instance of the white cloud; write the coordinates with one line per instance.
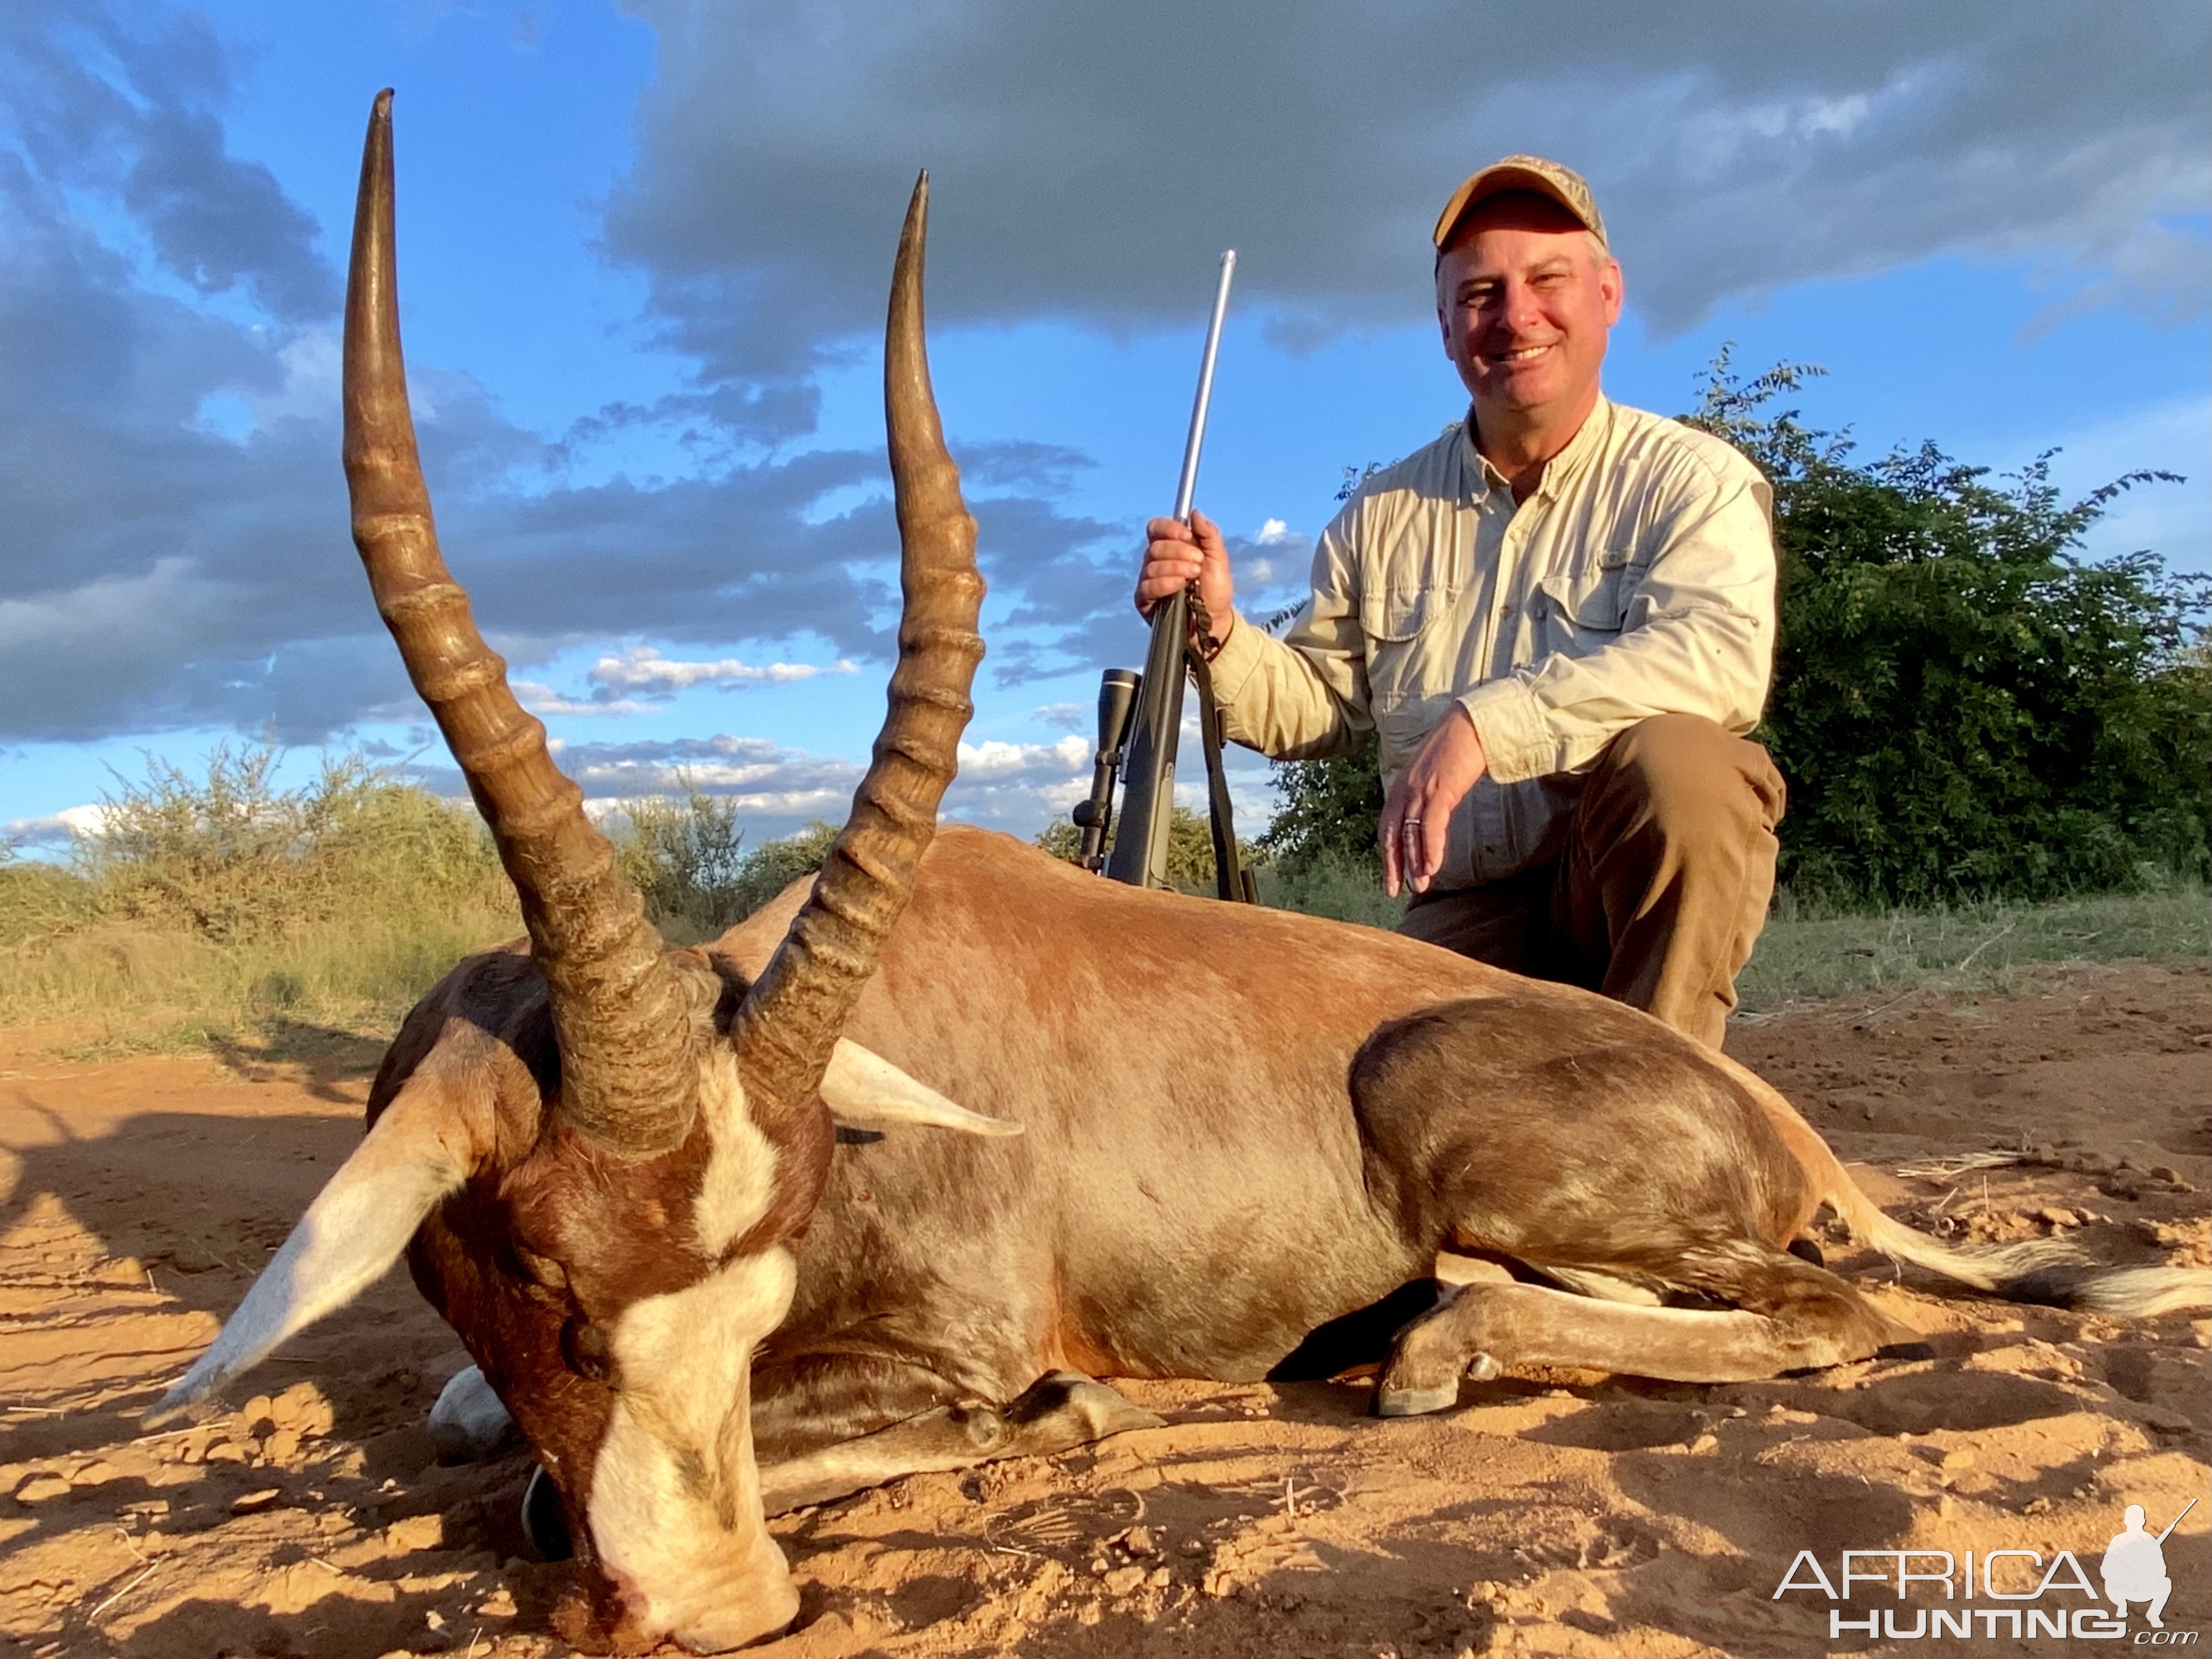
(542, 699)
(996, 762)
(645, 671)
(63, 829)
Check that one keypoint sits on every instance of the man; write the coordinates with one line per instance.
(1559, 617)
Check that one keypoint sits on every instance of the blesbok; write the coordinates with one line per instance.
(613, 1169)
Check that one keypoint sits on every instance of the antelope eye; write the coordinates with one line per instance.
(543, 1270)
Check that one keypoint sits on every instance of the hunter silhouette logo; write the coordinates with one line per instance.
(2133, 1567)
(2026, 1592)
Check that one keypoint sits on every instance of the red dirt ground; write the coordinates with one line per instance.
(1553, 1514)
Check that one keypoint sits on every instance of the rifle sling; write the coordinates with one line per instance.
(1230, 880)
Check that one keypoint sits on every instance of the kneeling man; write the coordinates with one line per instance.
(1558, 618)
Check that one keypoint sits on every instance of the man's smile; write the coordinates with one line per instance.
(1519, 355)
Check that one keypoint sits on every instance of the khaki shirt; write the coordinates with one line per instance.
(1637, 580)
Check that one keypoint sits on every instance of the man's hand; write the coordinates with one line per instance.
(1417, 815)
(1174, 553)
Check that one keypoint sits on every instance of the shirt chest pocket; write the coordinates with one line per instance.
(1406, 629)
(1591, 601)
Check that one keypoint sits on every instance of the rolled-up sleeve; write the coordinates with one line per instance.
(1305, 695)
(1696, 635)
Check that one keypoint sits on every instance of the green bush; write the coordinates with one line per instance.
(1191, 848)
(686, 857)
(217, 904)
(232, 857)
(1329, 810)
(1964, 708)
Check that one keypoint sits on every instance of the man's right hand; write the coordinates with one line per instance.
(1175, 554)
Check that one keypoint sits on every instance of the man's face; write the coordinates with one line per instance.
(1525, 300)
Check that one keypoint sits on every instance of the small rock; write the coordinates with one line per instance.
(256, 1413)
(415, 1532)
(1704, 1442)
(1138, 1540)
(41, 1488)
(303, 1406)
(1160, 1579)
(1123, 1580)
(248, 1503)
(283, 1446)
(2037, 1506)
(225, 1451)
(1957, 1457)
(92, 1471)
(500, 1604)
(2057, 1216)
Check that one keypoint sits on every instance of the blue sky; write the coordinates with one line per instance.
(642, 255)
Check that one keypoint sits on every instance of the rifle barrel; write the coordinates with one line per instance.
(1139, 855)
(1187, 486)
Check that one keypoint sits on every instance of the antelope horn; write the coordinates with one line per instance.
(789, 1022)
(628, 1074)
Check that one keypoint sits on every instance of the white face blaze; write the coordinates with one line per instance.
(675, 1509)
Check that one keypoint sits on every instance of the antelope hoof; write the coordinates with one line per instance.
(1409, 1398)
(1414, 1402)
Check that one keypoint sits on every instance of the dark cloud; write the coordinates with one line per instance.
(172, 519)
(1089, 160)
(125, 98)
(173, 546)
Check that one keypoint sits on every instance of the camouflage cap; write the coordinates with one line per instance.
(1533, 173)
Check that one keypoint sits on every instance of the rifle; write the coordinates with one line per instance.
(1140, 715)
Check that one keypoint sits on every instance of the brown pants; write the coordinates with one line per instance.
(1661, 890)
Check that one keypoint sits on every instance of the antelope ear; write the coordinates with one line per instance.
(864, 1091)
(356, 1229)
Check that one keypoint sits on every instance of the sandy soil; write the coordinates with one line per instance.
(1555, 1514)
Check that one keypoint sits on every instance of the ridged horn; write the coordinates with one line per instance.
(789, 1022)
(628, 1077)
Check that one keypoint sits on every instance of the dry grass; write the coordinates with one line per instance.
(219, 907)
(1804, 954)
(224, 912)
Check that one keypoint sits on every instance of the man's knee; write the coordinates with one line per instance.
(1689, 779)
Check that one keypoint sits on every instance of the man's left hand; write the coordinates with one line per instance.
(1417, 814)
